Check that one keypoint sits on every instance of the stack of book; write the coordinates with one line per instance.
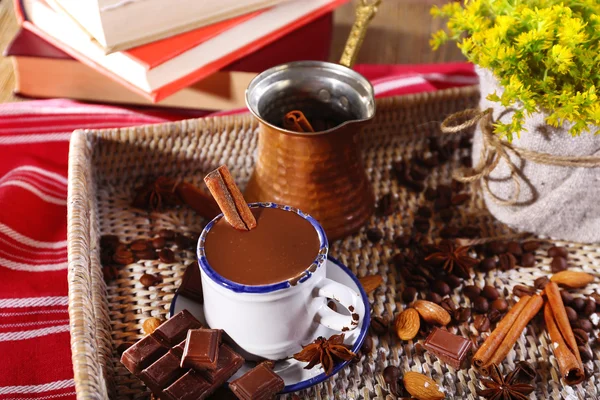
(198, 54)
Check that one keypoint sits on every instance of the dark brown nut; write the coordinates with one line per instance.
(391, 376)
(440, 287)
(571, 314)
(433, 297)
(499, 305)
(123, 257)
(453, 281)
(386, 205)
(159, 242)
(585, 353)
(331, 304)
(139, 245)
(148, 254)
(459, 199)
(481, 323)
(578, 303)
(446, 215)
(528, 260)
(506, 261)
(541, 282)
(374, 235)
(448, 305)
(408, 295)
(424, 212)
(402, 241)
(481, 305)
(567, 297)
(558, 264)
(585, 324)
(488, 264)
(525, 372)
(167, 234)
(489, 292)
(495, 316)
(148, 280)
(558, 252)
(581, 336)
(514, 248)
(471, 292)
(462, 314)
(367, 346)
(380, 325)
(531, 245)
(123, 346)
(167, 256)
(522, 290)
(496, 248)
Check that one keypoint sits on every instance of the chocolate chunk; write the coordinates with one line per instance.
(228, 363)
(191, 283)
(191, 386)
(449, 348)
(142, 354)
(258, 383)
(175, 329)
(201, 349)
(162, 373)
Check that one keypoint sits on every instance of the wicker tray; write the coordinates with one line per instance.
(106, 165)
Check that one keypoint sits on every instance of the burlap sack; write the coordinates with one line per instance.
(560, 202)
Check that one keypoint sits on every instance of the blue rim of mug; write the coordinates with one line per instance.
(241, 288)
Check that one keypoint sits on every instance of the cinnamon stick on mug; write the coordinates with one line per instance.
(230, 199)
(296, 121)
(563, 341)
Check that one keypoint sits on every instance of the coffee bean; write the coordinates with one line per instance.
(139, 245)
(531, 245)
(109, 241)
(109, 272)
(386, 205)
(441, 203)
(453, 281)
(470, 232)
(460, 198)
(167, 256)
(440, 287)
(496, 248)
(471, 292)
(418, 173)
(148, 254)
(481, 323)
(391, 376)
(541, 282)
(374, 235)
(159, 242)
(581, 336)
(379, 325)
(123, 257)
(424, 212)
(123, 346)
(449, 232)
(408, 295)
(462, 314)
(182, 241)
(148, 280)
(589, 307)
(596, 297)
(571, 314)
(481, 305)
(558, 264)
(506, 261)
(431, 194)
(433, 297)
(446, 215)
(522, 290)
(421, 224)
(488, 264)
(448, 305)
(514, 248)
(489, 292)
(578, 303)
(367, 346)
(585, 324)
(402, 241)
(167, 234)
(331, 304)
(528, 260)
(585, 353)
(558, 252)
(445, 191)
(500, 305)
(466, 161)
(495, 316)
(525, 373)
(567, 297)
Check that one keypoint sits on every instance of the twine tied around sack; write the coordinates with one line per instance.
(494, 150)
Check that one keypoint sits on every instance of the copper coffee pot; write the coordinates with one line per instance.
(320, 172)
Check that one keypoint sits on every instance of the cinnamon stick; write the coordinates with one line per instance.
(491, 344)
(570, 366)
(296, 121)
(230, 199)
(197, 200)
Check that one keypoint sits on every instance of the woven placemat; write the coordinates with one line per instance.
(107, 165)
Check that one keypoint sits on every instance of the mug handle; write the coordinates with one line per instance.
(343, 295)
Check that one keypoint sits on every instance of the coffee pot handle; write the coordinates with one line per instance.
(345, 296)
(365, 11)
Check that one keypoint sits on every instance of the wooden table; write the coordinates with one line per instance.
(399, 34)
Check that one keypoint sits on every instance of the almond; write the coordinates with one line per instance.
(150, 325)
(422, 387)
(431, 312)
(370, 282)
(572, 279)
(407, 324)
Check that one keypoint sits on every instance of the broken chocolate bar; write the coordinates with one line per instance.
(260, 383)
(201, 349)
(449, 348)
(191, 283)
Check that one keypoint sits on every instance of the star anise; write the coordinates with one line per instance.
(454, 259)
(325, 352)
(157, 195)
(504, 388)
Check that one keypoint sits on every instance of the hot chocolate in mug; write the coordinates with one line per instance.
(272, 321)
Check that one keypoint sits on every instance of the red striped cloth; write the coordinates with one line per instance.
(34, 324)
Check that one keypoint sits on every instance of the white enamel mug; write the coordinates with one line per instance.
(273, 321)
